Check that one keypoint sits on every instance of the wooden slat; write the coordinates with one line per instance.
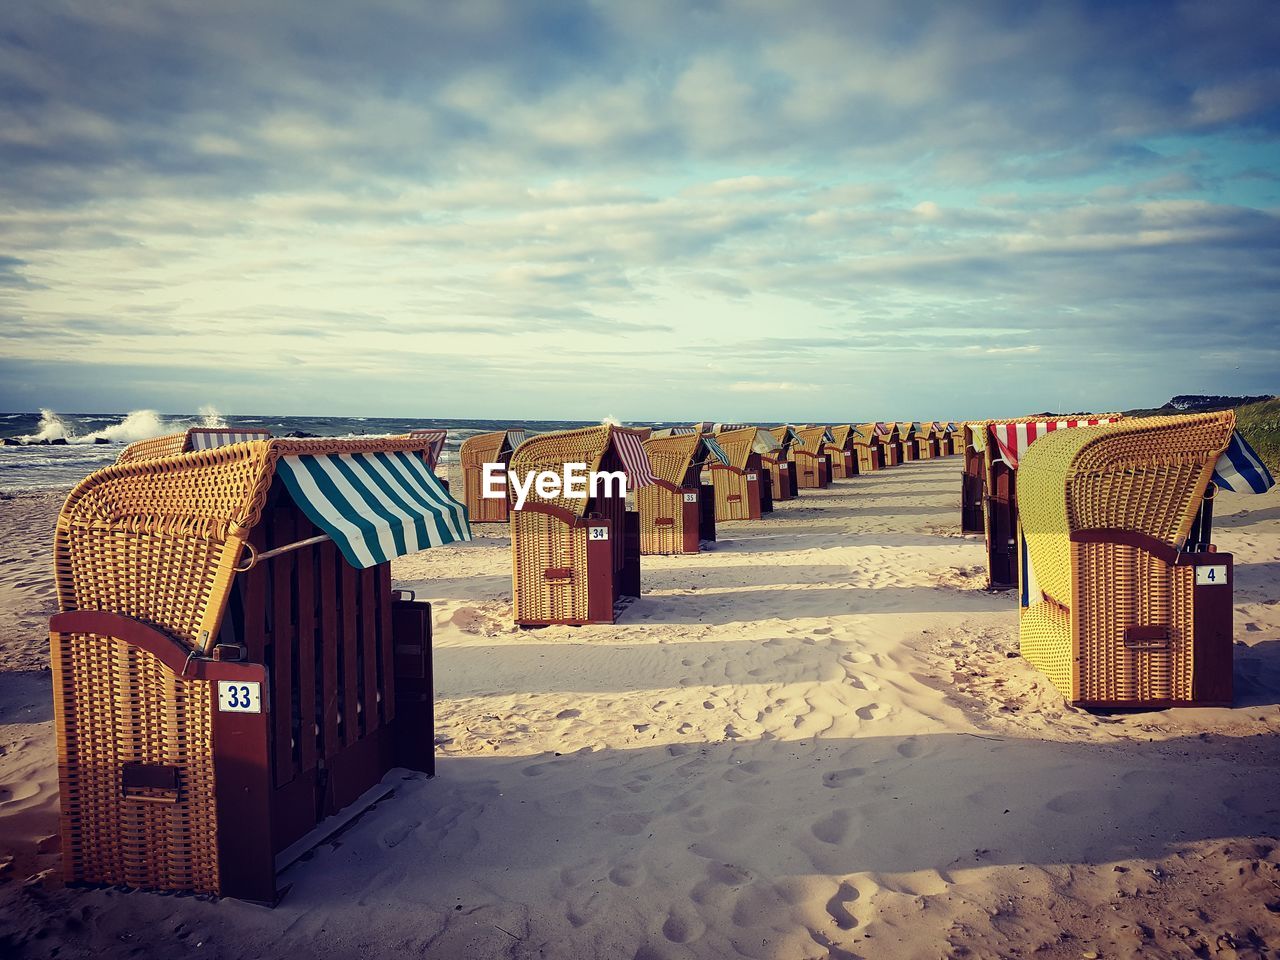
(282, 640)
(369, 649)
(309, 707)
(349, 670)
(254, 595)
(330, 637)
(386, 645)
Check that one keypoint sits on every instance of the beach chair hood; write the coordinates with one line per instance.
(616, 448)
(195, 438)
(161, 538)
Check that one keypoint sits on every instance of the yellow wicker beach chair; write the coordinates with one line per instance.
(576, 557)
(229, 663)
(872, 446)
(937, 437)
(777, 462)
(1114, 610)
(195, 438)
(955, 439)
(678, 513)
(812, 463)
(474, 455)
(894, 446)
(840, 449)
(742, 487)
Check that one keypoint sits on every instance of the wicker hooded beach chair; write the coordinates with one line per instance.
(230, 666)
(953, 445)
(871, 444)
(477, 451)
(840, 449)
(894, 446)
(810, 457)
(782, 473)
(936, 433)
(678, 512)
(433, 439)
(576, 557)
(1125, 602)
(1005, 443)
(973, 437)
(195, 438)
(741, 485)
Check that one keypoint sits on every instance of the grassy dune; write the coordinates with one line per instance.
(1260, 424)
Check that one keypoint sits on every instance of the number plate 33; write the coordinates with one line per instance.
(239, 696)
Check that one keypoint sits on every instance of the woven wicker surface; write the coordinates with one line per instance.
(540, 542)
(482, 448)
(737, 445)
(157, 539)
(165, 446)
(1044, 640)
(810, 439)
(841, 434)
(116, 704)
(671, 457)
(1145, 475)
(551, 451)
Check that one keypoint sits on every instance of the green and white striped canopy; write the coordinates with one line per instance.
(375, 506)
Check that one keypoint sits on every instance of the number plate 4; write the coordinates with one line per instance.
(239, 696)
(1213, 575)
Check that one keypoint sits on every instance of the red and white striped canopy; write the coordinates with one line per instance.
(1013, 438)
(635, 461)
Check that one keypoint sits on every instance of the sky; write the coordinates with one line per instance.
(809, 211)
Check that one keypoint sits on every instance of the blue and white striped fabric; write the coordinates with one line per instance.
(716, 450)
(1241, 470)
(199, 438)
(375, 506)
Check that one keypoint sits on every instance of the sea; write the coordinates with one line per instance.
(37, 466)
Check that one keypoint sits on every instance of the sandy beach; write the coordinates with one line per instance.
(814, 740)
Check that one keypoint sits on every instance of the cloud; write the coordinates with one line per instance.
(608, 197)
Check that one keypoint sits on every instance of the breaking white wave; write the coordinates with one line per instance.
(50, 427)
(211, 419)
(138, 425)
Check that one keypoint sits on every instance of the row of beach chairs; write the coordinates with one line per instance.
(234, 673)
(232, 669)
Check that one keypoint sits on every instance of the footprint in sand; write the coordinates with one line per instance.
(841, 778)
(909, 748)
(626, 874)
(837, 909)
(579, 914)
(872, 711)
(832, 828)
(628, 824)
(681, 928)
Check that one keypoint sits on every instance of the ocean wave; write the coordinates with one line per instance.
(138, 425)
